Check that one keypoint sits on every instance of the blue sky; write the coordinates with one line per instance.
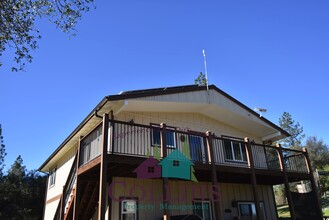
(270, 54)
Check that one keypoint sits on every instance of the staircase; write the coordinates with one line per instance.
(86, 192)
(89, 200)
(64, 210)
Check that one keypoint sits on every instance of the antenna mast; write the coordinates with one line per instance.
(205, 68)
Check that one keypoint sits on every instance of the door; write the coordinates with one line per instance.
(247, 211)
(197, 149)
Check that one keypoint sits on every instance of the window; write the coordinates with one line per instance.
(247, 211)
(52, 177)
(150, 169)
(235, 151)
(175, 163)
(202, 209)
(128, 209)
(197, 148)
(170, 136)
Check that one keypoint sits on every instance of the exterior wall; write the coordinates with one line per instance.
(201, 97)
(149, 194)
(243, 192)
(185, 121)
(54, 192)
(147, 191)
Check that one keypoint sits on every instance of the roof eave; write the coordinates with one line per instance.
(75, 131)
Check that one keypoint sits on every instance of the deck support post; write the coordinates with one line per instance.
(215, 184)
(313, 184)
(253, 177)
(286, 183)
(103, 170)
(77, 194)
(165, 181)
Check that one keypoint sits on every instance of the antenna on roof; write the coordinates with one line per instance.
(205, 68)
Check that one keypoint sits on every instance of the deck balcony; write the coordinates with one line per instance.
(117, 148)
(130, 142)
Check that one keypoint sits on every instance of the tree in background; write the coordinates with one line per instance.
(21, 193)
(324, 179)
(201, 80)
(318, 152)
(294, 141)
(18, 23)
(294, 129)
(2, 153)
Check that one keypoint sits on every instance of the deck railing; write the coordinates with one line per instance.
(295, 161)
(90, 146)
(265, 157)
(145, 140)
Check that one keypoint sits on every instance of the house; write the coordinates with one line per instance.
(176, 165)
(91, 174)
(148, 169)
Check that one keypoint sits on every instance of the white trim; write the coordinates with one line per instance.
(271, 136)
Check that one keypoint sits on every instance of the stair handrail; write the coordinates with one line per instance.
(67, 189)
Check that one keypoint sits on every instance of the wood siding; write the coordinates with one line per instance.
(149, 192)
(185, 121)
(62, 172)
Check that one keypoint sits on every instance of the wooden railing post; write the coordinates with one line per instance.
(165, 181)
(313, 184)
(103, 170)
(286, 183)
(253, 177)
(215, 184)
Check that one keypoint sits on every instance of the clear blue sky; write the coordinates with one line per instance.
(272, 54)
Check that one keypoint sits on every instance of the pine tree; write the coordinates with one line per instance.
(201, 80)
(2, 153)
(293, 128)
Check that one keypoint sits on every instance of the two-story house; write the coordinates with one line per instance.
(186, 152)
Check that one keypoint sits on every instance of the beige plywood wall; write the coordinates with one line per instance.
(63, 167)
(185, 121)
(243, 192)
(183, 193)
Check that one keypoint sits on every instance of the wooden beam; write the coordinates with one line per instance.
(286, 183)
(215, 185)
(91, 164)
(90, 203)
(165, 181)
(313, 184)
(103, 170)
(253, 177)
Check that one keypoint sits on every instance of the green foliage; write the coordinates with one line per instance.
(2, 153)
(318, 152)
(324, 180)
(280, 194)
(201, 80)
(18, 20)
(293, 128)
(21, 193)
